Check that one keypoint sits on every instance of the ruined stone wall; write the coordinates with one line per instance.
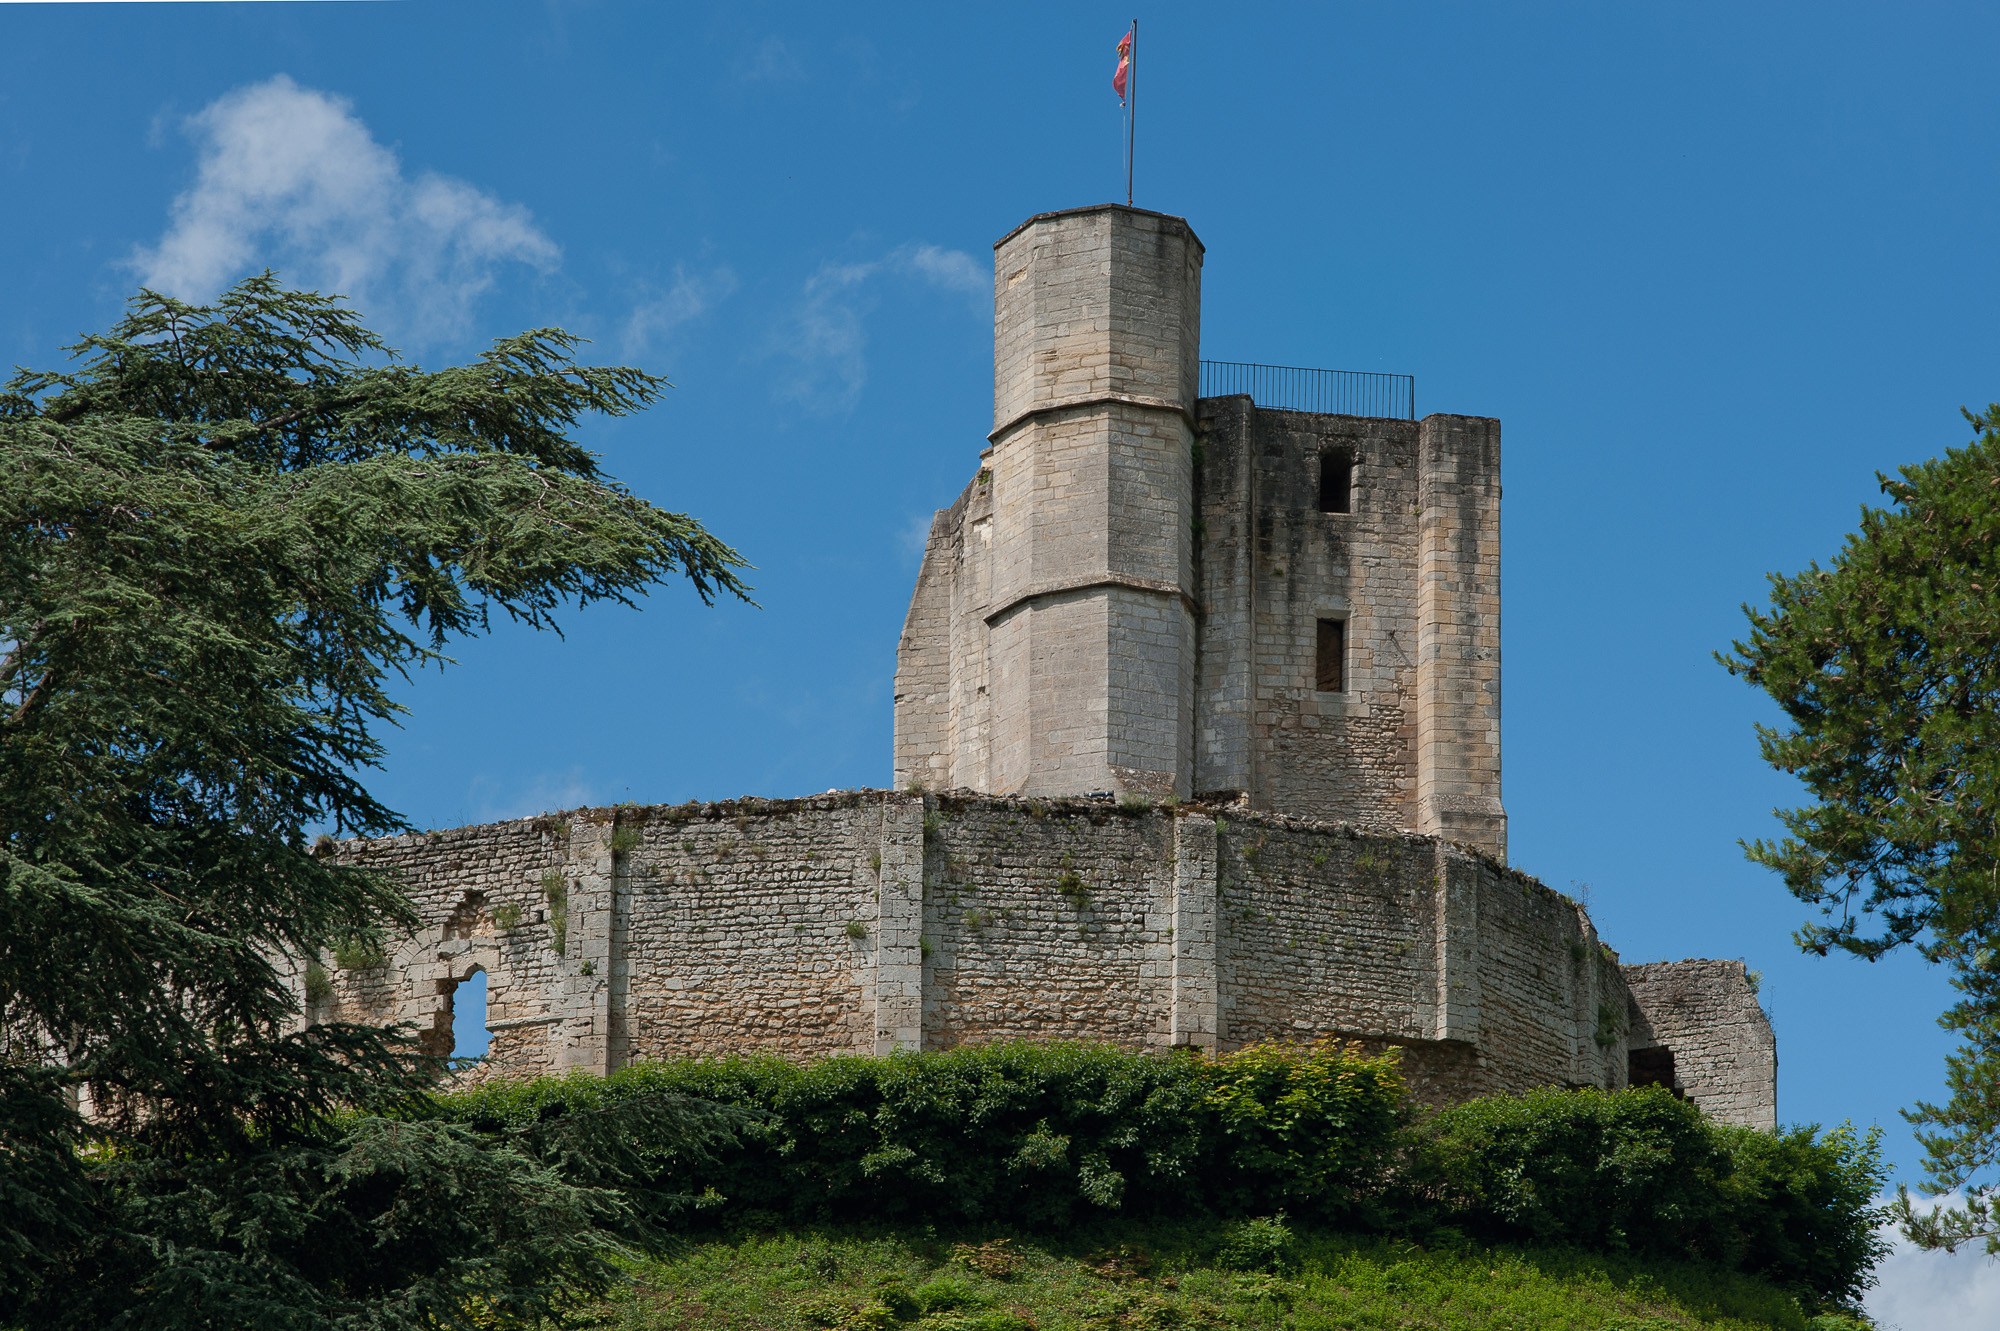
(875, 921)
(1706, 1013)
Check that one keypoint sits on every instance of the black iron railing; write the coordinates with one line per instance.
(1291, 388)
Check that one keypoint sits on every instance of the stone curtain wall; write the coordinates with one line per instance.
(875, 921)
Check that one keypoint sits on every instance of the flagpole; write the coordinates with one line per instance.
(1132, 112)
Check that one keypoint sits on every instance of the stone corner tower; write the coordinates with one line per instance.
(1146, 591)
(1050, 648)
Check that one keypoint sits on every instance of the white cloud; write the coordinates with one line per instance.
(1935, 1291)
(950, 270)
(547, 792)
(656, 318)
(827, 334)
(289, 178)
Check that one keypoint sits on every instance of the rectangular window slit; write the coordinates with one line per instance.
(1331, 672)
(1336, 483)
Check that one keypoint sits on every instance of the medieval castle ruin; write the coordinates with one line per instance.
(1197, 743)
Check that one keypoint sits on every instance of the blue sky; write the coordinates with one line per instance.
(1712, 265)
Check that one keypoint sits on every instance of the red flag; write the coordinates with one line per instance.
(1124, 66)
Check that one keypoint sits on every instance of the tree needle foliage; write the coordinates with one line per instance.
(224, 532)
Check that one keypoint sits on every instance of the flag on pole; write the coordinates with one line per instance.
(1124, 66)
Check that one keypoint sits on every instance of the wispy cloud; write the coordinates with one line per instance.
(826, 335)
(659, 315)
(290, 178)
(771, 61)
(915, 537)
(546, 792)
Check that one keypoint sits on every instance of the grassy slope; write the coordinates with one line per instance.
(1157, 1276)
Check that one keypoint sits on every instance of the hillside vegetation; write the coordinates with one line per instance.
(1278, 1186)
(1256, 1274)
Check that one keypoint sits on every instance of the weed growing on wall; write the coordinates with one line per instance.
(555, 889)
(358, 954)
(319, 987)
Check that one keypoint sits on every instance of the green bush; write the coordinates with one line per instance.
(1641, 1171)
(1047, 1136)
(1034, 1134)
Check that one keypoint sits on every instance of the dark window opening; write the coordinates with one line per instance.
(1652, 1067)
(1330, 675)
(1336, 483)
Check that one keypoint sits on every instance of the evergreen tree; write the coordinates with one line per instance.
(1887, 665)
(223, 535)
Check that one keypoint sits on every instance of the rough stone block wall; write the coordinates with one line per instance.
(1706, 1012)
(1272, 566)
(876, 921)
(1458, 633)
(482, 894)
(1045, 922)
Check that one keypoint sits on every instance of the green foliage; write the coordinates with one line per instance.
(1052, 1137)
(1641, 1171)
(856, 929)
(223, 534)
(1312, 1129)
(319, 986)
(555, 889)
(506, 917)
(357, 953)
(1887, 665)
(1329, 1281)
(625, 839)
(1263, 1243)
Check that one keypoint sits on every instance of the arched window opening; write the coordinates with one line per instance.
(469, 1036)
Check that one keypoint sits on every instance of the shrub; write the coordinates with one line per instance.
(358, 954)
(1314, 1127)
(1798, 1208)
(1262, 1244)
(1608, 1172)
(1641, 1171)
(1044, 1136)
(1033, 1134)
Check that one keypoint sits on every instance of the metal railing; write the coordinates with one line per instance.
(1292, 388)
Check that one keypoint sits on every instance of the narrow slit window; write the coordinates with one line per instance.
(1331, 667)
(1336, 483)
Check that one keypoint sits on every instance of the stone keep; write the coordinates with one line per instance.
(1128, 596)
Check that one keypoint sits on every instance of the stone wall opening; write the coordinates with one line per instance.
(1330, 668)
(458, 1030)
(1336, 483)
(1653, 1067)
